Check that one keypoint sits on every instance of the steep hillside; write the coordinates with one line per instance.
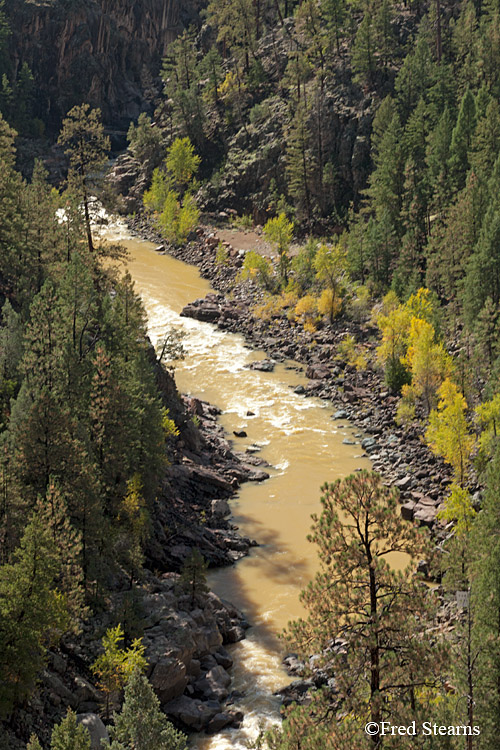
(106, 52)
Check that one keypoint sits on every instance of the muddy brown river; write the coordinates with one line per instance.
(300, 440)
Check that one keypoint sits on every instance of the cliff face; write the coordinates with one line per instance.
(105, 52)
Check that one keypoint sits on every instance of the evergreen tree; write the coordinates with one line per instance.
(465, 46)
(12, 218)
(486, 142)
(385, 40)
(32, 613)
(375, 611)
(437, 157)
(70, 735)
(485, 553)
(363, 51)
(82, 137)
(299, 164)
(141, 725)
(67, 543)
(193, 578)
(385, 191)
(461, 140)
(414, 78)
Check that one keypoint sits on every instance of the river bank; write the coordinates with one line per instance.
(361, 397)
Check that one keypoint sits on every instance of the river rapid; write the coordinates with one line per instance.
(301, 442)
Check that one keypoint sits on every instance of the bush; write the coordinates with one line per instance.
(306, 312)
(221, 255)
(258, 269)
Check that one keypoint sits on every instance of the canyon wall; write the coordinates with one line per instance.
(105, 52)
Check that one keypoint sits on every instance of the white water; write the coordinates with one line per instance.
(300, 441)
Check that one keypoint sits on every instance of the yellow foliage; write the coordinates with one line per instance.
(448, 434)
(306, 311)
(389, 303)
(427, 360)
(274, 305)
(394, 325)
(346, 348)
(133, 509)
(309, 326)
(229, 85)
(420, 306)
(329, 304)
(405, 413)
(458, 508)
(169, 427)
(489, 418)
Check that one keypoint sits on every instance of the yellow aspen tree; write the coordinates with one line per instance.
(394, 326)
(448, 434)
(489, 417)
(427, 360)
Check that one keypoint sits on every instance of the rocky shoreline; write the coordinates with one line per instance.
(361, 397)
(185, 640)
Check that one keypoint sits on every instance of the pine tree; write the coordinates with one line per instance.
(193, 578)
(485, 553)
(462, 139)
(385, 40)
(32, 613)
(375, 611)
(486, 142)
(82, 137)
(385, 191)
(363, 51)
(11, 212)
(299, 164)
(414, 78)
(483, 270)
(141, 725)
(465, 46)
(70, 735)
(438, 154)
(54, 513)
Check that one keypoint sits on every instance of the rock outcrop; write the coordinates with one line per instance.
(105, 52)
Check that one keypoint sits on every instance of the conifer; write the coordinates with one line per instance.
(141, 725)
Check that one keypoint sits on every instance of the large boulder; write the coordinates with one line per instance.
(96, 729)
(192, 712)
(169, 679)
(215, 683)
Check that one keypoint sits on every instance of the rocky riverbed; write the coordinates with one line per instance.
(361, 397)
(185, 637)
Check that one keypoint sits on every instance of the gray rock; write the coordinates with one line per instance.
(96, 729)
(223, 658)
(85, 691)
(214, 685)
(265, 365)
(219, 722)
(59, 690)
(340, 414)
(347, 441)
(220, 508)
(405, 483)
(192, 712)
(169, 679)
